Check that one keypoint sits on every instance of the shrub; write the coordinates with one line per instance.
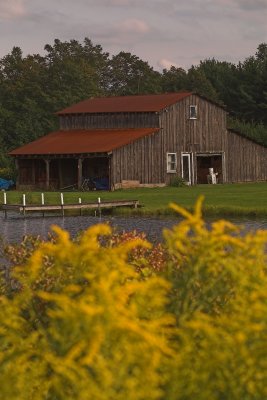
(85, 321)
(83, 325)
(8, 173)
(177, 181)
(145, 260)
(219, 297)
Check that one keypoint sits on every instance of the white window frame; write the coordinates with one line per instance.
(192, 114)
(171, 171)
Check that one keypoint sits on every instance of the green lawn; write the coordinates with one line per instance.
(235, 199)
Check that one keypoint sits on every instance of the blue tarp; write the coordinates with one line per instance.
(101, 183)
(5, 185)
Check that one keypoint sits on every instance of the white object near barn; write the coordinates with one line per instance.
(212, 177)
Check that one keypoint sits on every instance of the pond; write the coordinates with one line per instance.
(14, 227)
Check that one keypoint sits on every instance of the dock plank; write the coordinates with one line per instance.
(58, 207)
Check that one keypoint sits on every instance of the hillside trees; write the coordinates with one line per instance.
(253, 84)
(199, 83)
(223, 76)
(252, 130)
(173, 79)
(75, 72)
(129, 75)
(242, 87)
(177, 79)
(34, 87)
(23, 99)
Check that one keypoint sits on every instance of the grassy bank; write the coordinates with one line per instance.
(248, 200)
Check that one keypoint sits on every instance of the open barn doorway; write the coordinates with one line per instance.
(207, 161)
(90, 173)
(97, 171)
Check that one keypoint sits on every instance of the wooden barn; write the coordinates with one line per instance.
(139, 140)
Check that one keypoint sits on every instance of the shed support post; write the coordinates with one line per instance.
(47, 174)
(80, 172)
(33, 172)
(60, 174)
(109, 174)
(18, 173)
(224, 177)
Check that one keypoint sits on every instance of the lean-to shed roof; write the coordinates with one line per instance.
(82, 141)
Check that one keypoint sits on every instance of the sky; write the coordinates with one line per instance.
(162, 32)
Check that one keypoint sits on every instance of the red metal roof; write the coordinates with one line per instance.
(82, 141)
(140, 103)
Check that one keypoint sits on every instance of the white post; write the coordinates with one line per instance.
(5, 203)
(99, 207)
(42, 201)
(24, 203)
(62, 203)
(80, 202)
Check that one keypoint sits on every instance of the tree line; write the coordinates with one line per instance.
(34, 87)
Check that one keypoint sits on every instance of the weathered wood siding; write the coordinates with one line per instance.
(109, 121)
(140, 160)
(145, 159)
(246, 160)
(207, 133)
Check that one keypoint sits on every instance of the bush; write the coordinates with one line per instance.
(177, 181)
(81, 324)
(251, 130)
(8, 173)
(93, 318)
(219, 297)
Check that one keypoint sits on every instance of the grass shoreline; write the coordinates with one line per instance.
(231, 200)
(207, 211)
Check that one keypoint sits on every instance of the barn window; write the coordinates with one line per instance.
(193, 112)
(171, 162)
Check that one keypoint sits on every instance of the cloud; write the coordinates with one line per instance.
(134, 26)
(119, 2)
(127, 32)
(254, 33)
(12, 9)
(112, 3)
(251, 5)
(164, 32)
(166, 64)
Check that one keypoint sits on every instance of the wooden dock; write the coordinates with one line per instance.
(24, 209)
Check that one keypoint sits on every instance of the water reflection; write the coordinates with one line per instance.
(13, 228)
